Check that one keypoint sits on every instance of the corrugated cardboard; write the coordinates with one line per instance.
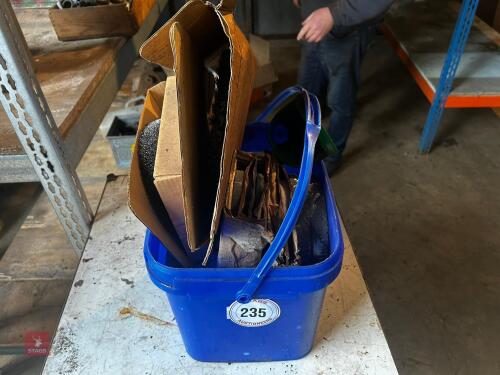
(168, 164)
(198, 206)
(200, 28)
(139, 203)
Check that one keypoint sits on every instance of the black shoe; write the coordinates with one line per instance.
(332, 165)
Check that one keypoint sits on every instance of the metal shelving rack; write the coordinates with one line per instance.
(48, 158)
(438, 47)
(455, 51)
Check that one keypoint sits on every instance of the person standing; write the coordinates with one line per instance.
(335, 36)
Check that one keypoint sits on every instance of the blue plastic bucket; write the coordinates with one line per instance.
(245, 314)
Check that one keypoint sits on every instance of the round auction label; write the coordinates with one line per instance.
(256, 313)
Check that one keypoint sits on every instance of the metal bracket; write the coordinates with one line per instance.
(27, 109)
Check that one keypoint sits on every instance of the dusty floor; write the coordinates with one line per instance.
(424, 228)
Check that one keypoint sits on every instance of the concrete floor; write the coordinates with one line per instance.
(424, 228)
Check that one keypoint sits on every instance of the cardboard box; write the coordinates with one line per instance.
(168, 163)
(162, 227)
(92, 22)
(265, 74)
(195, 32)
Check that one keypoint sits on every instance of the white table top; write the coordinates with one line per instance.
(117, 322)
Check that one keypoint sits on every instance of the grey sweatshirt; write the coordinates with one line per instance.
(348, 13)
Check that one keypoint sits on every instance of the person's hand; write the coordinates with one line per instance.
(316, 26)
(296, 3)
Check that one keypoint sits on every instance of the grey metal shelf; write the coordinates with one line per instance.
(47, 150)
(18, 168)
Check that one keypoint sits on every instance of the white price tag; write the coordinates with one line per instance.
(256, 313)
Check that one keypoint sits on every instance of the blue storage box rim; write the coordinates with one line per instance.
(175, 280)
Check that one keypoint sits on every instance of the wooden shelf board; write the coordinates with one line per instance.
(69, 72)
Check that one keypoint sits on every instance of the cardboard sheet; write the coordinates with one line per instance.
(200, 28)
(138, 198)
(168, 164)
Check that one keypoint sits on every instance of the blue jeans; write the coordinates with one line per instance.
(330, 69)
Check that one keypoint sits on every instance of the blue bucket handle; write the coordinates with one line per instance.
(313, 127)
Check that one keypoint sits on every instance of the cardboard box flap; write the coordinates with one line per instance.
(243, 68)
(168, 164)
(198, 203)
(208, 27)
(198, 18)
(168, 157)
(138, 198)
(195, 16)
